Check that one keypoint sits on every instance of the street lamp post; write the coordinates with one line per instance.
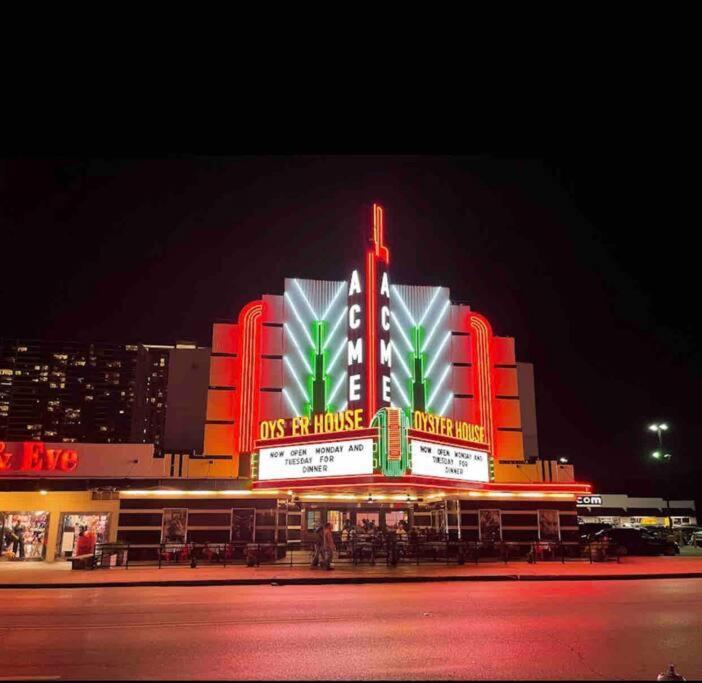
(660, 454)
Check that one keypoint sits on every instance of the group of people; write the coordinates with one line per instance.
(367, 531)
(22, 543)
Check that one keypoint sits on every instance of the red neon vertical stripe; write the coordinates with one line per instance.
(381, 251)
(249, 377)
(371, 339)
(483, 373)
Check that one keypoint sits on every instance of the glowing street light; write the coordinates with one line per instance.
(660, 454)
(658, 427)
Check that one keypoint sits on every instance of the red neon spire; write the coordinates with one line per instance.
(381, 251)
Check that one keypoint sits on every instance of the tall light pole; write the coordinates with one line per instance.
(660, 454)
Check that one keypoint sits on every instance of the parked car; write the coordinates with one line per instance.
(689, 533)
(588, 529)
(662, 532)
(636, 542)
(696, 538)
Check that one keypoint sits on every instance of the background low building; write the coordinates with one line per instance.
(621, 510)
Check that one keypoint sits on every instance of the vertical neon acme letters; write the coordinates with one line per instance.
(379, 253)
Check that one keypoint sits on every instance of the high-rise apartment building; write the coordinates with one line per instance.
(90, 392)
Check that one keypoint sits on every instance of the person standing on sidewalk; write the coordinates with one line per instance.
(318, 543)
(18, 540)
(328, 546)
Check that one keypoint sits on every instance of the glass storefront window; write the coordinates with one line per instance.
(95, 527)
(335, 517)
(24, 535)
(314, 519)
(392, 518)
(490, 525)
(365, 519)
(338, 518)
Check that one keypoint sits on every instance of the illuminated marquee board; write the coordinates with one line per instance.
(337, 445)
(448, 462)
(337, 458)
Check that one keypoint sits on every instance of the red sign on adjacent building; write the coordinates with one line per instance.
(34, 456)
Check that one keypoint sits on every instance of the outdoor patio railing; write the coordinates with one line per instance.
(372, 551)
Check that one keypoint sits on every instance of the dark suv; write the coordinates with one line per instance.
(636, 542)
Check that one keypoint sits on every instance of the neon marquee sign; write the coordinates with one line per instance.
(321, 423)
(338, 445)
(445, 426)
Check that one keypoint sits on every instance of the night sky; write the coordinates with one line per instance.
(583, 259)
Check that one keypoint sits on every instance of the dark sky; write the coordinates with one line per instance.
(584, 258)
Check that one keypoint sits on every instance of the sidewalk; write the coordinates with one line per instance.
(60, 575)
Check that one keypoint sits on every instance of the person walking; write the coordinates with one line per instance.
(328, 546)
(318, 543)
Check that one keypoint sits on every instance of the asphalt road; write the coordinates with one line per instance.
(511, 630)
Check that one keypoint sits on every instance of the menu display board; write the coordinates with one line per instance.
(448, 462)
(333, 459)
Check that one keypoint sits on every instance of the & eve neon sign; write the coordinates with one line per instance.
(36, 457)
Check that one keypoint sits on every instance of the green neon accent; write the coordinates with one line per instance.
(417, 385)
(319, 383)
(396, 468)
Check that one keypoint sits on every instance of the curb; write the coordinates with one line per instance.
(276, 581)
(611, 577)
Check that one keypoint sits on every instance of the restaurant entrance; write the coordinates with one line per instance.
(369, 531)
(383, 516)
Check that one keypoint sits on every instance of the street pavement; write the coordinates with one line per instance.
(478, 630)
(13, 575)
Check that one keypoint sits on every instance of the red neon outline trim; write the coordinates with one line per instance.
(249, 324)
(421, 482)
(352, 434)
(481, 339)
